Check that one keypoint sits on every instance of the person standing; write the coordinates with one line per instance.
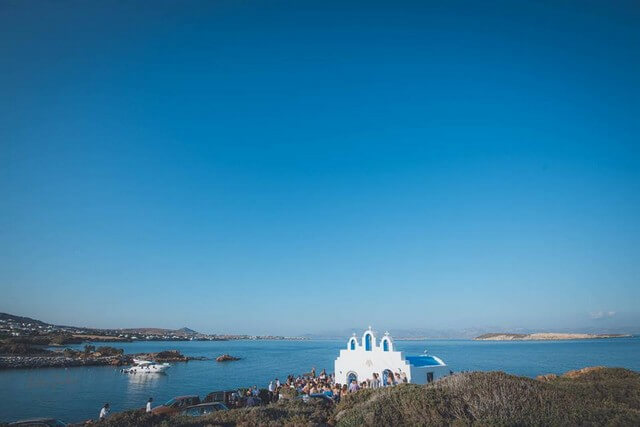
(375, 383)
(390, 379)
(149, 404)
(104, 412)
(272, 389)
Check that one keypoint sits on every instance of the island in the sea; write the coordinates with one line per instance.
(544, 336)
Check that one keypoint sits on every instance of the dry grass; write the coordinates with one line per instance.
(594, 397)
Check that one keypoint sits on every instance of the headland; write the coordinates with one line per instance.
(544, 336)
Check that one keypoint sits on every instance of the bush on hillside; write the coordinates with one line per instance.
(283, 413)
(135, 418)
(29, 340)
(19, 349)
(62, 339)
(288, 392)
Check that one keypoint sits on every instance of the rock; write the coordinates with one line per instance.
(570, 374)
(168, 356)
(226, 358)
(580, 372)
(546, 377)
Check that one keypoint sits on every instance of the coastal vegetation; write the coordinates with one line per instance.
(20, 349)
(54, 339)
(593, 396)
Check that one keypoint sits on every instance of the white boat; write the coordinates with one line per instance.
(146, 367)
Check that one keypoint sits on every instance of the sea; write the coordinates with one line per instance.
(77, 394)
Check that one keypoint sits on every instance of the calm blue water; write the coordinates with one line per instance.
(76, 394)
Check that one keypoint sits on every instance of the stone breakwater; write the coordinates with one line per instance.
(30, 362)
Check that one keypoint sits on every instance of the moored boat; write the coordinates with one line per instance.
(146, 367)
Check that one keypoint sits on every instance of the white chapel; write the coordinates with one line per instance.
(361, 359)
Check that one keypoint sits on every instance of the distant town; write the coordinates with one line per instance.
(18, 326)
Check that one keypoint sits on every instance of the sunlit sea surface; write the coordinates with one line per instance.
(76, 394)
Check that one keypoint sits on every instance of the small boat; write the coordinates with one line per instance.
(146, 367)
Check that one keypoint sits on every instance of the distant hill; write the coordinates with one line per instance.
(11, 318)
(188, 331)
(21, 319)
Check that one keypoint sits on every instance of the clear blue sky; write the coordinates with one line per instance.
(291, 167)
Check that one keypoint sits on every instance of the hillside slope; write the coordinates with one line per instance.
(21, 319)
(594, 396)
(599, 397)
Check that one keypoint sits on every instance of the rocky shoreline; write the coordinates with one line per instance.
(31, 362)
(61, 361)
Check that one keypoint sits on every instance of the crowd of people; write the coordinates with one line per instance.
(307, 385)
(311, 384)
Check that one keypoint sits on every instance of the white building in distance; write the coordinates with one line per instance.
(360, 360)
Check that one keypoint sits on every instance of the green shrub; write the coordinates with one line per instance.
(288, 413)
(62, 339)
(69, 352)
(19, 349)
(29, 340)
(288, 392)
